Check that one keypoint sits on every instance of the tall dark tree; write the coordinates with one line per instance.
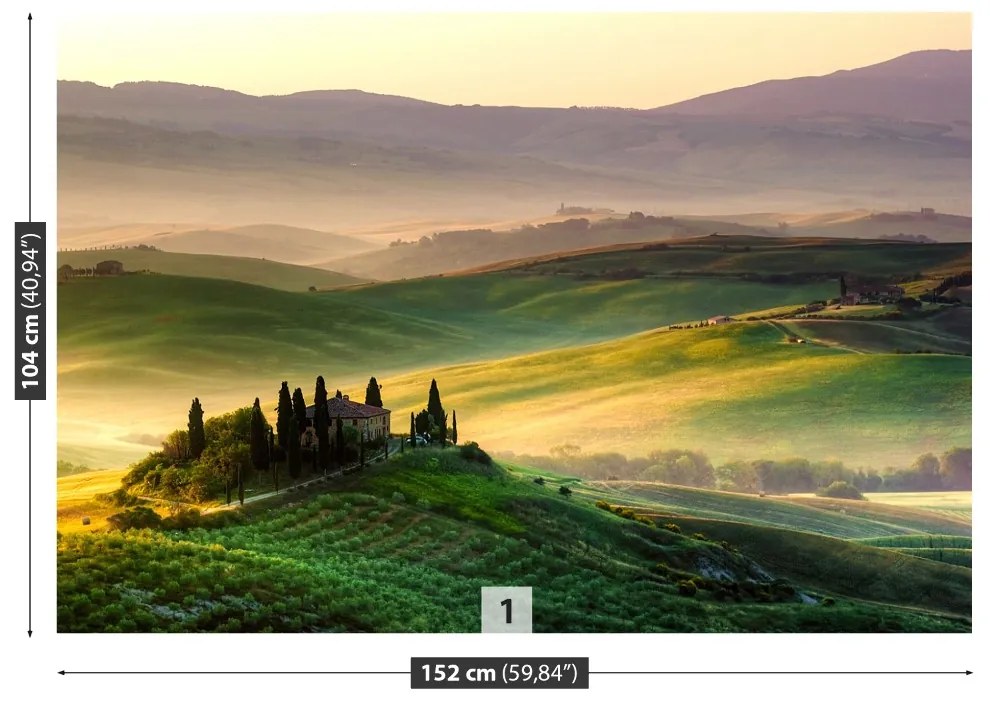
(259, 438)
(295, 455)
(299, 409)
(453, 431)
(321, 422)
(284, 415)
(412, 430)
(339, 395)
(435, 408)
(842, 286)
(339, 444)
(197, 434)
(362, 450)
(271, 443)
(373, 393)
(424, 422)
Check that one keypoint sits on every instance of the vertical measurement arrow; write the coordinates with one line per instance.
(30, 121)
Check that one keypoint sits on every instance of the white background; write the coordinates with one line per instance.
(29, 667)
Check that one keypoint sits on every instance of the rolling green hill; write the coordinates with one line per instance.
(405, 547)
(820, 541)
(705, 388)
(762, 256)
(733, 391)
(260, 272)
(847, 520)
(121, 339)
(879, 336)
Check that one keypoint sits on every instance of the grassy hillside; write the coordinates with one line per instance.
(879, 336)
(845, 568)
(849, 520)
(738, 390)
(84, 495)
(260, 272)
(451, 251)
(819, 542)
(228, 342)
(765, 256)
(955, 504)
(735, 391)
(704, 388)
(405, 547)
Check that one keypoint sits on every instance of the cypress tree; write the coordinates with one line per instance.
(321, 422)
(299, 409)
(338, 395)
(339, 447)
(240, 485)
(424, 422)
(453, 432)
(373, 393)
(197, 434)
(842, 286)
(435, 408)
(259, 438)
(271, 443)
(295, 456)
(412, 430)
(284, 415)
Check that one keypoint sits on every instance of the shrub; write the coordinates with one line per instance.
(119, 498)
(840, 489)
(687, 588)
(673, 527)
(539, 481)
(700, 536)
(828, 601)
(397, 497)
(183, 520)
(139, 517)
(603, 505)
(564, 491)
(472, 452)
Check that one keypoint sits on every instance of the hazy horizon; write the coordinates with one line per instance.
(468, 58)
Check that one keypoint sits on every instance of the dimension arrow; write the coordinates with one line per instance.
(780, 672)
(233, 672)
(590, 672)
(30, 473)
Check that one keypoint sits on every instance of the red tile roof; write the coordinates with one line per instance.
(348, 409)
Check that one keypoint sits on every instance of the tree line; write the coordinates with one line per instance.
(431, 423)
(211, 455)
(953, 470)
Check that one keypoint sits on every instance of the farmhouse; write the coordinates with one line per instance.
(374, 422)
(718, 320)
(111, 267)
(857, 293)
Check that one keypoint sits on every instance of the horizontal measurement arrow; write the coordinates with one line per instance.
(591, 672)
(780, 672)
(233, 672)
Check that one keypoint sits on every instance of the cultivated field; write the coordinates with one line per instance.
(405, 546)
(76, 499)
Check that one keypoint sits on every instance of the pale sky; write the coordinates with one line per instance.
(633, 60)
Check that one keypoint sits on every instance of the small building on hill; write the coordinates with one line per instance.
(110, 267)
(866, 293)
(374, 422)
(718, 320)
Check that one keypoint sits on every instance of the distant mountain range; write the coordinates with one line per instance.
(933, 85)
(892, 136)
